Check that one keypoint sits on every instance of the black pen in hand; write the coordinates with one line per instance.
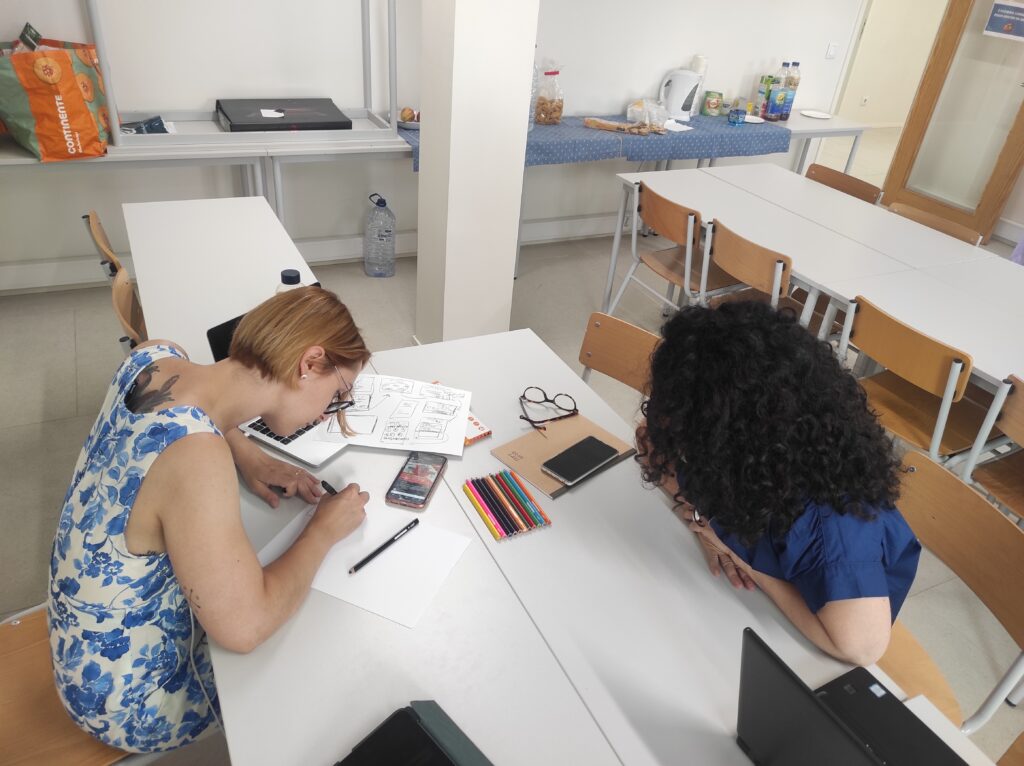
(328, 487)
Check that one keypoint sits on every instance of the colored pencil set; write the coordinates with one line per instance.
(505, 504)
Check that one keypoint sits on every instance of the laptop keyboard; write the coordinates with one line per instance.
(260, 427)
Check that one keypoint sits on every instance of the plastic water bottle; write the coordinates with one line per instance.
(379, 239)
(289, 280)
(533, 96)
(792, 83)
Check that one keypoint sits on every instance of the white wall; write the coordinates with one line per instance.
(898, 36)
(609, 52)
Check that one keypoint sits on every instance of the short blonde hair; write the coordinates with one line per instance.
(272, 337)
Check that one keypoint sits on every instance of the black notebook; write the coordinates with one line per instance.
(248, 114)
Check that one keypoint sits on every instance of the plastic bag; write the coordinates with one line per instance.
(52, 100)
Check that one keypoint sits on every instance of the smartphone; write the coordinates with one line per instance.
(416, 481)
(572, 465)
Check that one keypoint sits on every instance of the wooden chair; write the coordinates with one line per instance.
(932, 221)
(680, 266)
(1015, 755)
(919, 396)
(765, 272)
(844, 183)
(108, 261)
(34, 727)
(1002, 477)
(985, 549)
(618, 349)
(128, 310)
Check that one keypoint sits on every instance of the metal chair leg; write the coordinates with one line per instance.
(622, 289)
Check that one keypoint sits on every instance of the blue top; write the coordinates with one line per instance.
(832, 556)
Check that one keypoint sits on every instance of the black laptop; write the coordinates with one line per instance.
(248, 114)
(851, 721)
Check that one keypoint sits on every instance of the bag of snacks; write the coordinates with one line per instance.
(52, 98)
(549, 100)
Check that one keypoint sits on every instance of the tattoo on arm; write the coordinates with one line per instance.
(142, 399)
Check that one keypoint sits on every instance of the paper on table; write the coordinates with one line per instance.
(401, 582)
(403, 414)
(676, 127)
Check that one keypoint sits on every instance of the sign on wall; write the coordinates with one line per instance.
(1006, 20)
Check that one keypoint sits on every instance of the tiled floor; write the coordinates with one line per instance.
(58, 350)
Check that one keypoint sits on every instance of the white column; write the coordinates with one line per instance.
(475, 75)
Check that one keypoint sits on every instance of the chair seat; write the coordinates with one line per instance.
(909, 665)
(34, 727)
(910, 413)
(1004, 480)
(670, 264)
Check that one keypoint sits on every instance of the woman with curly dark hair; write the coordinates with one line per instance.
(767, 447)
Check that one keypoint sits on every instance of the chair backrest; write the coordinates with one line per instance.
(747, 261)
(906, 352)
(110, 263)
(667, 218)
(618, 349)
(1011, 419)
(932, 221)
(127, 308)
(969, 534)
(844, 183)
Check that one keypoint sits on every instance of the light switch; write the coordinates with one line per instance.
(831, 51)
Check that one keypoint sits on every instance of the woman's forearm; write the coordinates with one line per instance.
(789, 601)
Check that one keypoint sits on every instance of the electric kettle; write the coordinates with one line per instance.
(679, 92)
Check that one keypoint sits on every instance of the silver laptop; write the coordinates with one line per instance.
(303, 445)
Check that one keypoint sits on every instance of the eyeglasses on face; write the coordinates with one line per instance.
(340, 403)
(536, 395)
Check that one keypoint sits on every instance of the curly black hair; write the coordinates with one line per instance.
(756, 417)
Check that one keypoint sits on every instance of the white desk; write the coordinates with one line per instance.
(223, 254)
(616, 585)
(962, 295)
(874, 226)
(335, 671)
(807, 128)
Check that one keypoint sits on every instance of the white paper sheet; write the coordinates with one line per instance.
(401, 582)
(676, 127)
(403, 414)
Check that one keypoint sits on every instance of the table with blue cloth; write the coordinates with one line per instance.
(570, 142)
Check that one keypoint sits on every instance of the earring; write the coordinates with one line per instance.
(304, 377)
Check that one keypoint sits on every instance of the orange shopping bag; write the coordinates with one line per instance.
(52, 100)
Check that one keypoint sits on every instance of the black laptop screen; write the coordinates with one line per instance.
(220, 336)
(780, 720)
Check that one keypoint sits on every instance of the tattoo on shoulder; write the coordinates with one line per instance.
(142, 398)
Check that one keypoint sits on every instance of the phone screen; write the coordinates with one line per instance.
(415, 481)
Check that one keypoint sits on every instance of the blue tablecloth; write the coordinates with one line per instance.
(570, 142)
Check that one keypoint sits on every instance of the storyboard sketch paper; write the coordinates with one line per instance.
(401, 582)
(404, 414)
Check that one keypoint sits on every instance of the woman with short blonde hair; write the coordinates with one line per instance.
(150, 555)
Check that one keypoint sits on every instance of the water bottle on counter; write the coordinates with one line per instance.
(379, 239)
(792, 83)
(777, 94)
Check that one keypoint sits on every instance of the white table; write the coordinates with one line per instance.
(843, 247)
(874, 226)
(223, 254)
(601, 639)
(807, 128)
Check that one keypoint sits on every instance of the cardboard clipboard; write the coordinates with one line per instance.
(526, 454)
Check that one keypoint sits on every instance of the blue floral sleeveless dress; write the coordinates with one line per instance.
(121, 635)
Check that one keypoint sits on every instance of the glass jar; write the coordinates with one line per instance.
(550, 100)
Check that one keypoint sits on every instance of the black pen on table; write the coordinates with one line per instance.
(384, 546)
